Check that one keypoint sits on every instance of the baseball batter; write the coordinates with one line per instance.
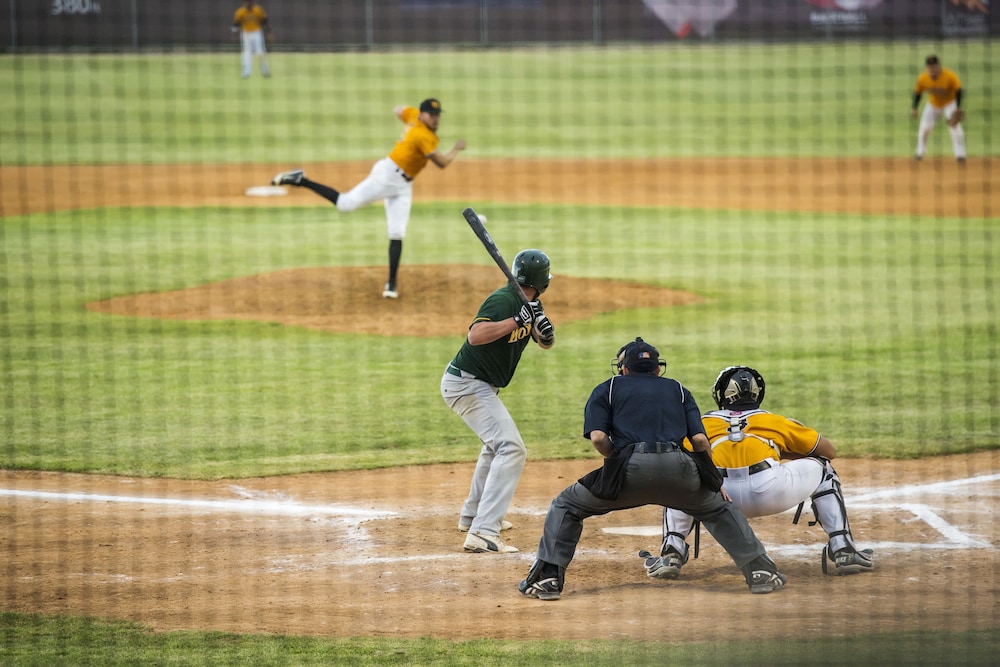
(944, 100)
(470, 386)
(770, 464)
(391, 179)
(250, 21)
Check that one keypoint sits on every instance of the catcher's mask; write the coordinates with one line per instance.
(531, 268)
(738, 388)
(622, 359)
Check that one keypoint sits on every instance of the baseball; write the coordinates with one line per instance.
(482, 218)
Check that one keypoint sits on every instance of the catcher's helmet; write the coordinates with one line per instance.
(738, 387)
(531, 269)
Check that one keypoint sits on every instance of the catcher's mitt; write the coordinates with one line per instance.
(956, 117)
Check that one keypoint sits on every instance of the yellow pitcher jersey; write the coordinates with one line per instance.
(942, 90)
(417, 142)
(743, 438)
(249, 19)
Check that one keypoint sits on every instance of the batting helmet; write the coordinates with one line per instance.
(738, 388)
(531, 269)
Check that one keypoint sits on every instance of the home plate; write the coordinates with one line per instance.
(644, 531)
(266, 191)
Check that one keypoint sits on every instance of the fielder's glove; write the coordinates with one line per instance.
(956, 117)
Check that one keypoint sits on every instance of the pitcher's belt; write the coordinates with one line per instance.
(755, 468)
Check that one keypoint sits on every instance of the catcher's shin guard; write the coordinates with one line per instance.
(831, 512)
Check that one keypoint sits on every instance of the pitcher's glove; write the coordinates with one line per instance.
(956, 117)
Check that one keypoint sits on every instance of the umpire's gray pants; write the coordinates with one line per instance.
(669, 479)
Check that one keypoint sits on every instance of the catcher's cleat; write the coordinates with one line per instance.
(492, 544)
(293, 177)
(390, 291)
(667, 566)
(545, 589)
(849, 561)
(764, 581)
(504, 525)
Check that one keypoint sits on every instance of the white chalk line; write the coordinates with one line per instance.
(263, 503)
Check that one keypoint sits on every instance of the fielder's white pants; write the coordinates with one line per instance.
(252, 44)
(502, 457)
(386, 182)
(929, 118)
(769, 492)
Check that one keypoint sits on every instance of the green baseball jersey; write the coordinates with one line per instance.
(495, 362)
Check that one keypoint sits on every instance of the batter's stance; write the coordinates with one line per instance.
(391, 179)
(771, 464)
(944, 101)
(470, 385)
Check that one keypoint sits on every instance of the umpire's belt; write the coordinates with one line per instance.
(655, 447)
(402, 173)
(755, 468)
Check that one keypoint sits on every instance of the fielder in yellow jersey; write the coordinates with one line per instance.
(770, 464)
(391, 179)
(250, 21)
(944, 93)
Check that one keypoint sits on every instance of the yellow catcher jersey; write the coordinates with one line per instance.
(250, 19)
(417, 142)
(744, 438)
(941, 91)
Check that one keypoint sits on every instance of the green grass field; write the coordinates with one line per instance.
(878, 330)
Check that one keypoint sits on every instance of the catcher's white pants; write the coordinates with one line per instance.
(252, 44)
(386, 182)
(773, 491)
(502, 457)
(929, 118)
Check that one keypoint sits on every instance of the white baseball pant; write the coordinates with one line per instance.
(388, 182)
(929, 118)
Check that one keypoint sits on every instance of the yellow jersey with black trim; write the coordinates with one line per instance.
(941, 91)
(250, 19)
(417, 142)
(743, 438)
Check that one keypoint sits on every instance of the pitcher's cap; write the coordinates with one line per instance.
(430, 105)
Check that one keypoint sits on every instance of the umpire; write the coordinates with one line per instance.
(637, 420)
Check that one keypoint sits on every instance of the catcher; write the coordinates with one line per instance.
(770, 464)
(944, 92)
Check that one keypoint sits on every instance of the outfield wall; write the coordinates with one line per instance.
(308, 24)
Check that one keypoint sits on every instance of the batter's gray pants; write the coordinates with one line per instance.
(669, 479)
(502, 457)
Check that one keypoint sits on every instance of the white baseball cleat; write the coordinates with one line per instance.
(492, 544)
(390, 292)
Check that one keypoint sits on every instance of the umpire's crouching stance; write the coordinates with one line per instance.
(637, 421)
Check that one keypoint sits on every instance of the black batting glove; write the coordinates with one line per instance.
(546, 332)
(525, 315)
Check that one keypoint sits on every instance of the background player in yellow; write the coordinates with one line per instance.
(770, 464)
(391, 178)
(944, 100)
(250, 21)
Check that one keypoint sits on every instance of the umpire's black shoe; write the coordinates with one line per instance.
(763, 581)
(545, 589)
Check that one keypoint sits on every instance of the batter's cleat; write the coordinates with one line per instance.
(764, 581)
(487, 544)
(504, 525)
(667, 566)
(293, 177)
(545, 589)
(390, 291)
(851, 561)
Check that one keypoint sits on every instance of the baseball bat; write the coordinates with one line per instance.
(491, 247)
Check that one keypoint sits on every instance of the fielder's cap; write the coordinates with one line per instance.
(430, 105)
(641, 357)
